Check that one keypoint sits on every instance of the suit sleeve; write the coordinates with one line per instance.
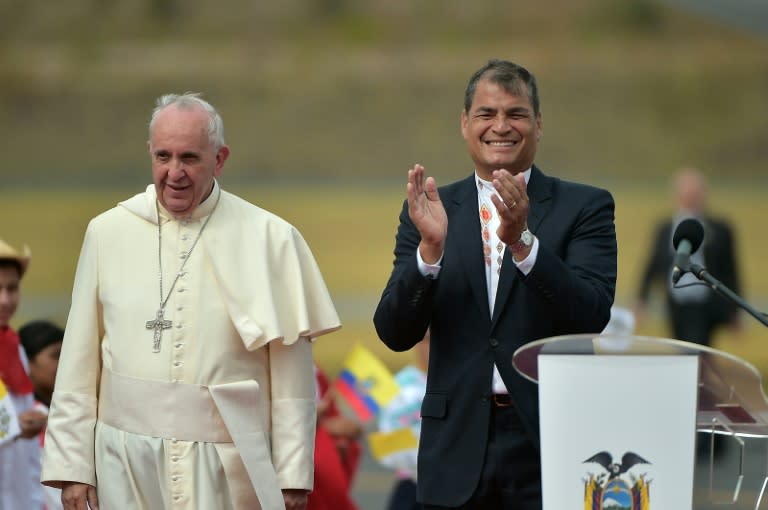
(579, 280)
(402, 315)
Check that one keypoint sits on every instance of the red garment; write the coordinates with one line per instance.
(12, 370)
(336, 461)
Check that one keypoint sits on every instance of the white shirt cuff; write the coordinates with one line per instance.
(527, 263)
(431, 270)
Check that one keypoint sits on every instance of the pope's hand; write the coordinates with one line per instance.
(295, 499)
(79, 496)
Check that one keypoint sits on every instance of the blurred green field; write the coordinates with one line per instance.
(351, 231)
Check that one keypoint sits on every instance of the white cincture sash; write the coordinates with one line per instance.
(223, 413)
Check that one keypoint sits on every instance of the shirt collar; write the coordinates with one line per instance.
(487, 186)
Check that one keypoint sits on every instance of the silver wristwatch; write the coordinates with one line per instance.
(525, 241)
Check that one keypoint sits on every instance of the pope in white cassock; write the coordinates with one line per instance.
(186, 377)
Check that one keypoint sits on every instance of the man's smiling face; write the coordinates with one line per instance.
(501, 130)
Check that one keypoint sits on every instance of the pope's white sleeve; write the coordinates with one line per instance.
(69, 440)
(294, 413)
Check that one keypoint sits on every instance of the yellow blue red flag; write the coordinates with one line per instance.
(365, 383)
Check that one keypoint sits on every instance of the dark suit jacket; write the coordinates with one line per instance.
(719, 259)
(569, 290)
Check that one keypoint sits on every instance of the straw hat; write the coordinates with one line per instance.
(8, 252)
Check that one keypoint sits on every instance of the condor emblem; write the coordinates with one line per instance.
(616, 489)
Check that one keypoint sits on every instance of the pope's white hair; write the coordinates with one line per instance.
(189, 101)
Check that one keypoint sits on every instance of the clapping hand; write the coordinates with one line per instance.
(427, 213)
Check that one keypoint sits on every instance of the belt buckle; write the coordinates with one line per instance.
(502, 400)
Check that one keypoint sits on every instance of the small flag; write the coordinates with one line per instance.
(396, 449)
(9, 424)
(365, 383)
(404, 410)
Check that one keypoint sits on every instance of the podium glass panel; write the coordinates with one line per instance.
(730, 391)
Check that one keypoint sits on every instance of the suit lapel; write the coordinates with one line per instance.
(539, 195)
(468, 242)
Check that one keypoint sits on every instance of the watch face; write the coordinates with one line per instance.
(526, 237)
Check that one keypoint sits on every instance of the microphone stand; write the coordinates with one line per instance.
(702, 274)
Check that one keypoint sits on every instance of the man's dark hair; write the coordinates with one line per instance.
(508, 76)
(11, 263)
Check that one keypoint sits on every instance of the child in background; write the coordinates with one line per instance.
(20, 457)
(42, 340)
(337, 452)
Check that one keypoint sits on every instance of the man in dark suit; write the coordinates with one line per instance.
(491, 262)
(694, 311)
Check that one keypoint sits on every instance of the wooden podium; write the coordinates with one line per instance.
(619, 416)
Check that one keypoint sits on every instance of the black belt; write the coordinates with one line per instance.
(501, 400)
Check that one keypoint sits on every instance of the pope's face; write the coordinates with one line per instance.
(501, 130)
(9, 293)
(184, 162)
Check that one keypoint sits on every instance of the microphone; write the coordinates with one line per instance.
(686, 240)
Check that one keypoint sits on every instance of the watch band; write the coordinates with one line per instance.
(525, 241)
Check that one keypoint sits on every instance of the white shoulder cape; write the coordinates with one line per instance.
(270, 281)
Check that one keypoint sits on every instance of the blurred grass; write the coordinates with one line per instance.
(358, 91)
(351, 232)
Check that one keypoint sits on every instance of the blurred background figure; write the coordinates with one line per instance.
(20, 456)
(693, 310)
(42, 340)
(337, 452)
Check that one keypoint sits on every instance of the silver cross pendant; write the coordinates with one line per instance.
(158, 324)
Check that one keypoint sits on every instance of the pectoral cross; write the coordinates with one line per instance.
(158, 324)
